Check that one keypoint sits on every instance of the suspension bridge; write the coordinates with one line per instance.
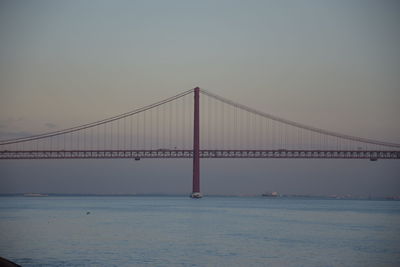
(195, 124)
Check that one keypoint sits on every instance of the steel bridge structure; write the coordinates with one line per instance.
(195, 124)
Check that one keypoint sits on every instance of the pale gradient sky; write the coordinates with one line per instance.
(330, 64)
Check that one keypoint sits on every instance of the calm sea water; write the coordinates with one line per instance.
(213, 231)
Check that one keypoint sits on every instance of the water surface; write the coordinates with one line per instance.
(213, 231)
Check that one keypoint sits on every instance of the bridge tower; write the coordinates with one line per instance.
(196, 145)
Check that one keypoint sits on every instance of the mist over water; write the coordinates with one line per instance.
(218, 176)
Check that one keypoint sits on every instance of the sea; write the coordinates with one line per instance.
(212, 231)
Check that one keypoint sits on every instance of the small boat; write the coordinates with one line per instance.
(272, 194)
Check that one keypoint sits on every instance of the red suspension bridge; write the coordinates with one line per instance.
(203, 126)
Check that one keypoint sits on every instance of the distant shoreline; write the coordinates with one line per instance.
(284, 196)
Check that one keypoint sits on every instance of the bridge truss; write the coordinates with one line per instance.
(205, 154)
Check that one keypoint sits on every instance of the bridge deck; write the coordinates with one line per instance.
(164, 153)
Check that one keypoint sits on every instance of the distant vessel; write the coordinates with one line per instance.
(35, 195)
(273, 194)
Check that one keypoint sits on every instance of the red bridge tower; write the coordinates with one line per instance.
(196, 145)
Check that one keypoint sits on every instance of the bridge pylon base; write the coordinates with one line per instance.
(196, 195)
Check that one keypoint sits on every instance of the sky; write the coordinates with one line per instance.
(330, 64)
